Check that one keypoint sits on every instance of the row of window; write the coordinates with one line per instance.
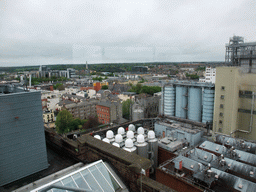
(103, 116)
(221, 106)
(103, 110)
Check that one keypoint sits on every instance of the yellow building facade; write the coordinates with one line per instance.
(234, 107)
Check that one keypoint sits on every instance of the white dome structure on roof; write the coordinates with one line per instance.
(116, 144)
(97, 137)
(140, 130)
(118, 138)
(151, 135)
(106, 140)
(131, 127)
(130, 134)
(121, 131)
(110, 134)
(140, 138)
(128, 143)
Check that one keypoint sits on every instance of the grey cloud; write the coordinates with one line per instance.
(46, 31)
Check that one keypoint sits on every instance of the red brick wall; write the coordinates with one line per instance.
(164, 155)
(97, 87)
(174, 182)
(103, 114)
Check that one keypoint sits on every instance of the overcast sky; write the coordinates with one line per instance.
(35, 32)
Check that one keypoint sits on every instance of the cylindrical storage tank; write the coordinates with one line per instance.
(121, 131)
(110, 136)
(169, 100)
(195, 104)
(106, 140)
(130, 135)
(140, 130)
(118, 138)
(131, 127)
(153, 148)
(129, 146)
(142, 146)
(208, 105)
(97, 137)
(181, 102)
(116, 144)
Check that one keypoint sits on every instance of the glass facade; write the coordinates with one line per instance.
(95, 177)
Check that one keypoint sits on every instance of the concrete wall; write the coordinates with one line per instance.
(127, 164)
(22, 139)
(233, 81)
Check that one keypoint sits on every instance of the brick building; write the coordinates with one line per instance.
(83, 110)
(109, 112)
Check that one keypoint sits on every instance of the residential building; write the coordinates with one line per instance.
(109, 112)
(22, 142)
(48, 116)
(82, 110)
(234, 108)
(210, 75)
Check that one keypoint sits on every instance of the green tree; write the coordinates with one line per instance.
(64, 122)
(91, 123)
(126, 108)
(104, 87)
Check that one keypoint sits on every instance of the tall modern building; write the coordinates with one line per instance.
(22, 139)
(234, 109)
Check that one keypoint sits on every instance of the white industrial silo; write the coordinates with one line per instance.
(129, 146)
(152, 148)
(116, 144)
(119, 139)
(106, 140)
(110, 136)
(131, 127)
(130, 135)
(97, 137)
(142, 146)
(140, 130)
(121, 131)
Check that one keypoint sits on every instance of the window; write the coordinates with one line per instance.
(220, 121)
(221, 114)
(222, 88)
(220, 130)
(221, 106)
(222, 96)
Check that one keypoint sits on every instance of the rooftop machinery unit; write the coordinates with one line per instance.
(129, 146)
(195, 104)
(153, 148)
(118, 140)
(208, 105)
(97, 137)
(110, 136)
(181, 101)
(131, 127)
(142, 146)
(169, 100)
(121, 131)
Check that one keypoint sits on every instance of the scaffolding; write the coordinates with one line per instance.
(241, 54)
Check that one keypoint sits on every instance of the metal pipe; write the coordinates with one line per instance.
(65, 188)
(251, 120)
